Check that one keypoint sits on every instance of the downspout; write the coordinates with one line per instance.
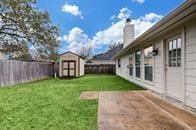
(164, 42)
(184, 63)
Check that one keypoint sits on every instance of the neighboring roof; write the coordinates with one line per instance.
(27, 57)
(180, 15)
(73, 54)
(109, 54)
(88, 61)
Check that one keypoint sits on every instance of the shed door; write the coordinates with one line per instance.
(174, 86)
(69, 68)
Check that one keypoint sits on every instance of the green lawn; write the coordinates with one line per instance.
(55, 104)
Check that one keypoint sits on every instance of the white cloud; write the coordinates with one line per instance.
(111, 34)
(139, 1)
(152, 17)
(145, 22)
(77, 38)
(72, 9)
(112, 17)
(115, 31)
(124, 13)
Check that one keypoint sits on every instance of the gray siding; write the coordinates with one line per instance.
(123, 70)
(81, 66)
(190, 64)
(158, 68)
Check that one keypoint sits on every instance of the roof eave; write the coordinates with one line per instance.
(73, 54)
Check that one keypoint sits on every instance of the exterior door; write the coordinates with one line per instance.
(69, 68)
(174, 86)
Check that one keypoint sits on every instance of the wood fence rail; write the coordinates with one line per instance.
(14, 72)
(100, 69)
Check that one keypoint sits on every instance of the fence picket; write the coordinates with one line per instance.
(100, 69)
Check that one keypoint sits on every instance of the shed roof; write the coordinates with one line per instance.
(69, 52)
(180, 15)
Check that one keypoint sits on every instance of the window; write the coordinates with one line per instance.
(138, 64)
(119, 65)
(175, 52)
(148, 64)
(131, 64)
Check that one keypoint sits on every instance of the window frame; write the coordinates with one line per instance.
(144, 75)
(131, 65)
(119, 63)
(170, 64)
(140, 65)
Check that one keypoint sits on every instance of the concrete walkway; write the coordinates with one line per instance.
(131, 110)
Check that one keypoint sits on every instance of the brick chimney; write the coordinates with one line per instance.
(128, 33)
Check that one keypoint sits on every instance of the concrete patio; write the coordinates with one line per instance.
(131, 110)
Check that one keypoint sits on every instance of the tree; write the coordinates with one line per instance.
(113, 45)
(86, 52)
(22, 25)
(54, 56)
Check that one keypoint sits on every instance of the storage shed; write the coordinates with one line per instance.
(71, 65)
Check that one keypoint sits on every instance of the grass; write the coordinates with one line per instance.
(54, 103)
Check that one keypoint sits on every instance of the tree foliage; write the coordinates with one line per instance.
(22, 25)
(113, 45)
(86, 52)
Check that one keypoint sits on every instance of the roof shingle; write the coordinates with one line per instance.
(109, 54)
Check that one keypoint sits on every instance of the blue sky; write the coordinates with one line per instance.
(98, 23)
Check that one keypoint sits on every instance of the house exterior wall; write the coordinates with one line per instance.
(81, 66)
(190, 64)
(68, 56)
(157, 84)
(123, 70)
(188, 33)
(158, 68)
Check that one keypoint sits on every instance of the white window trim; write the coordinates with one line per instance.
(141, 55)
(153, 65)
(171, 39)
(132, 64)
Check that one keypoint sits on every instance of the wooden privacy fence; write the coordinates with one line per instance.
(56, 69)
(13, 72)
(100, 69)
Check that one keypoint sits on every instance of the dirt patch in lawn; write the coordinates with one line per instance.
(90, 95)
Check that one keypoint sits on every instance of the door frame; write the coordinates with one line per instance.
(182, 34)
(69, 61)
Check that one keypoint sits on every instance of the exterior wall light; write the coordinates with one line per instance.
(155, 52)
